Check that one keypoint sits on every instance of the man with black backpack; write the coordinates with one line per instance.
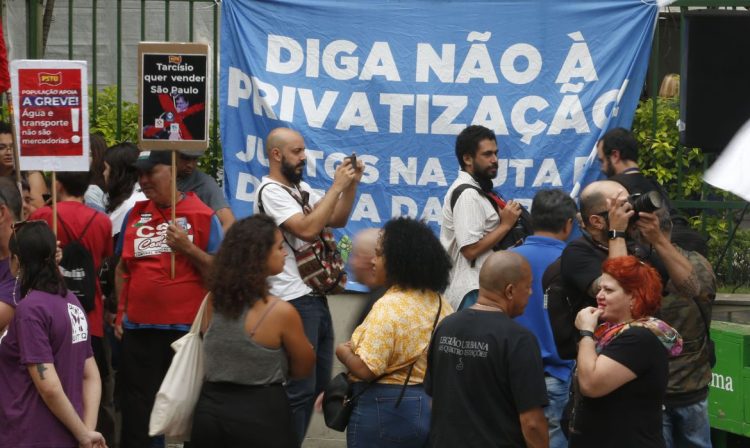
(85, 238)
(475, 219)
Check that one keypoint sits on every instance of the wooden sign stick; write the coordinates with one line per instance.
(54, 203)
(174, 201)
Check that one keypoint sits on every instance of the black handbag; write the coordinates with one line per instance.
(338, 400)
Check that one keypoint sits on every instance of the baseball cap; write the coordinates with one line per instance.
(191, 154)
(149, 159)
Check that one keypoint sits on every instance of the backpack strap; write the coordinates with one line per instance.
(68, 232)
(259, 198)
(83, 232)
(463, 187)
(302, 203)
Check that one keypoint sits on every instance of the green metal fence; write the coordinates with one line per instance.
(35, 11)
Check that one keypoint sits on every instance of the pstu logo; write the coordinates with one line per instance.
(50, 79)
(175, 59)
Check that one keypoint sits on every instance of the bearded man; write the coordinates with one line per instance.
(302, 213)
(472, 226)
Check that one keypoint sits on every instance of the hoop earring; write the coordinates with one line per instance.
(15, 287)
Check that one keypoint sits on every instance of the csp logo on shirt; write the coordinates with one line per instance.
(152, 240)
(78, 323)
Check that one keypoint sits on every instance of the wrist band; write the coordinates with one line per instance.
(585, 333)
(614, 234)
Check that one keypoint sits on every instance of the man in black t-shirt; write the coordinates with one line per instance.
(484, 371)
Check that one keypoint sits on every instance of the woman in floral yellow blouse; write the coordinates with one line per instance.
(387, 355)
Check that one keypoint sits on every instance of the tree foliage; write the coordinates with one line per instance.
(662, 158)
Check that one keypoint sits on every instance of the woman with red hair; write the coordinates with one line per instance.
(622, 365)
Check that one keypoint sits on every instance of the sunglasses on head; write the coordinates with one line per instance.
(20, 224)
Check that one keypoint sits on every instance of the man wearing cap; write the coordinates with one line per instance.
(154, 310)
(190, 178)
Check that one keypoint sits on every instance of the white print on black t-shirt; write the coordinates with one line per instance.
(150, 240)
(461, 347)
(78, 323)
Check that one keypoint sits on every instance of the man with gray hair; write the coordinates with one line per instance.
(360, 263)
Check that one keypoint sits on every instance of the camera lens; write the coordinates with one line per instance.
(645, 203)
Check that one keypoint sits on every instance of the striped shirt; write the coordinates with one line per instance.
(470, 220)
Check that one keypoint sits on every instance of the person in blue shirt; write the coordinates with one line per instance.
(552, 214)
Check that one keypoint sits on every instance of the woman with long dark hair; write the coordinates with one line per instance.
(48, 375)
(387, 355)
(254, 342)
(94, 196)
(121, 182)
(622, 366)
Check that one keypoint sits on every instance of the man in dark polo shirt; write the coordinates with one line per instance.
(190, 178)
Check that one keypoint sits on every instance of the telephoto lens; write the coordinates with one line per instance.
(645, 203)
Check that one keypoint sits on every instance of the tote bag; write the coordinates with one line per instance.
(172, 414)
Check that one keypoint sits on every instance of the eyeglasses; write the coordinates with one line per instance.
(4, 146)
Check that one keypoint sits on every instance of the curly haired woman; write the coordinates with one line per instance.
(623, 363)
(254, 342)
(389, 349)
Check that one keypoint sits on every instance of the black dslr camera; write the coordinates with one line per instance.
(645, 202)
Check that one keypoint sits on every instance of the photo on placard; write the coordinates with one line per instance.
(174, 97)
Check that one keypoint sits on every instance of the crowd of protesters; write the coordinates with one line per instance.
(460, 342)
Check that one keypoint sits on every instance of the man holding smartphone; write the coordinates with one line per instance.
(302, 214)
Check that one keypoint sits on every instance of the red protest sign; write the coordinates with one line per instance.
(50, 100)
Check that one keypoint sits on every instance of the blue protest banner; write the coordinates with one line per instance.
(396, 81)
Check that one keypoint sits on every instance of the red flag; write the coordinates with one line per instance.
(4, 75)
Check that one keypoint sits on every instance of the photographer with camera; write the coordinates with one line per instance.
(615, 225)
(617, 152)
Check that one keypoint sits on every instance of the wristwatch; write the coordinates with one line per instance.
(585, 333)
(614, 234)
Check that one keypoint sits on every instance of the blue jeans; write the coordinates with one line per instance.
(316, 318)
(557, 394)
(377, 422)
(469, 299)
(687, 426)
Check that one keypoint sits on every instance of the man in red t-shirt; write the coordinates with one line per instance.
(75, 220)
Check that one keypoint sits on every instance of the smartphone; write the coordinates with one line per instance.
(353, 158)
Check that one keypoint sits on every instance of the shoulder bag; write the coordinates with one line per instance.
(320, 264)
(172, 414)
(339, 399)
